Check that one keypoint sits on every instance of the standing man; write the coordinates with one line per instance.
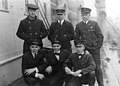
(31, 28)
(90, 32)
(62, 29)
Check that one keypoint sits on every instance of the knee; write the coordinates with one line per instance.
(37, 84)
(30, 81)
(53, 82)
(71, 84)
(98, 70)
(92, 74)
(91, 80)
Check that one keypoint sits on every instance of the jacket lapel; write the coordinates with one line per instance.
(61, 56)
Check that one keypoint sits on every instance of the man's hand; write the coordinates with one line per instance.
(29, 71)
(49, 69)
(77, 73)
(87, 52)
(40, 76)
(67, 70)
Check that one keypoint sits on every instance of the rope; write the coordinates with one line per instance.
(115, 74)
(112, 27)
(42, 16)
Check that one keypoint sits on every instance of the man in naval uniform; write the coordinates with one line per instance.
(80, 67)
(62, 29)
(33, 65)
(55, 58)
(31, 27)
(90, 32)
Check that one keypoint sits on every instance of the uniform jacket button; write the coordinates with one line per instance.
(40, 35)
(65, 35)
(30, 33)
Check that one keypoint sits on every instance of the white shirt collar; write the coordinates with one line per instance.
(33, 54)
(61, 21)
(86, 21)
(81, 53)
(57, 52)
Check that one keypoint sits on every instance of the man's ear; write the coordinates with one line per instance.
(60, 46)
(39, 47)
(30, 46)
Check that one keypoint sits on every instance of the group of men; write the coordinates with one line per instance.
(59, 66)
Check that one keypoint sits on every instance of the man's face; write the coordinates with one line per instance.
(80, 48)
(56, 47)
(85, 16)
(34, 48)
(32, 13)
(61, 16)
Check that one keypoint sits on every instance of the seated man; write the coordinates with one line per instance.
(55, 58)
(33, 65)
(80, 67)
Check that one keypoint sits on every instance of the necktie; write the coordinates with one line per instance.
(84, 22)
(35, 55)
(57, 55)
(60, 22)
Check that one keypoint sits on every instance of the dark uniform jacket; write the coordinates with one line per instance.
(28, 61)
(90, 33)
(85, 63)
(64, 33)
(57, 65)
(31, 29)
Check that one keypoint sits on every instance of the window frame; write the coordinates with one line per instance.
(4, 6)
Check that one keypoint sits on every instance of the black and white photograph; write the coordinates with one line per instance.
(59, 43)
